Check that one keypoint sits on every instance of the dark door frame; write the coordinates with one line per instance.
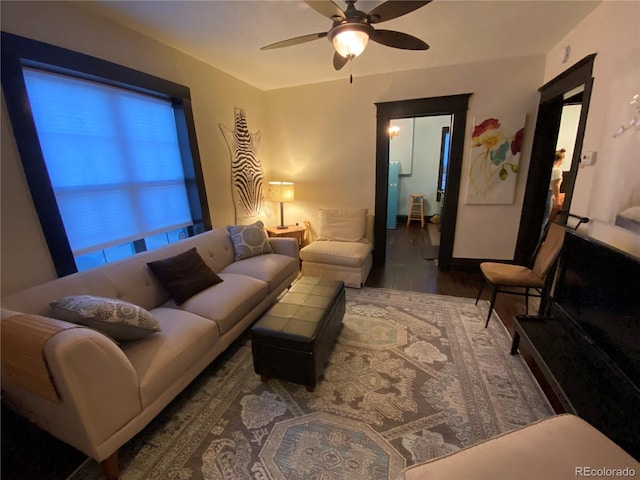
(542, 151)
(454, 105)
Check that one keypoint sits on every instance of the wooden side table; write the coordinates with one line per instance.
(293, 231)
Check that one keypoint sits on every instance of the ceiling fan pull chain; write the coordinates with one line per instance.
(350, 71)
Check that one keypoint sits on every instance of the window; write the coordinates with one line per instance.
(113, 160)
(116, 170)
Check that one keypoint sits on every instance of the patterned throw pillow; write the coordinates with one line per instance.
(119, 319)
(249, 240)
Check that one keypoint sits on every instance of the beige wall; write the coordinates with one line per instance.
(323, 138)
(612, 31)
(25, 257)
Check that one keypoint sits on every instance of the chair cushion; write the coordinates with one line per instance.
(345, 225)
(512, 275)
(351, 254)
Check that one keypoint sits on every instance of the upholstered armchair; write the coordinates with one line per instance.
(341, 246)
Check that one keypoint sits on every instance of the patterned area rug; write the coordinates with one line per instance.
(413, 377)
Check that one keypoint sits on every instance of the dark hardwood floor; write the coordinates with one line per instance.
(28, 453)
(405, 269)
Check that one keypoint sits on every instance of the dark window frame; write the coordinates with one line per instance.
(18, 52)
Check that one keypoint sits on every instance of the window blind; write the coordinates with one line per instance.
(113, 160)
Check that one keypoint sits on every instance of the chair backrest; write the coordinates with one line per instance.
(549, 250)
(570, 220)
(312, 233)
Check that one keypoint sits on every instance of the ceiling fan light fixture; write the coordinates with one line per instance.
(350, 39)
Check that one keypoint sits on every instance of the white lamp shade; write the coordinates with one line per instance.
(281, 192)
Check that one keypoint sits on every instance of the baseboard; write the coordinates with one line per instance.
(472, 264)
(465, 264)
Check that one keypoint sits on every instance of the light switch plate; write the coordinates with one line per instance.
(587, 159)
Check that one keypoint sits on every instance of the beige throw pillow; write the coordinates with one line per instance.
(344, 225)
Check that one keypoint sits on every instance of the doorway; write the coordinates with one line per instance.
(568, 130)
(454, 105)
(418, 161)
(572, 87)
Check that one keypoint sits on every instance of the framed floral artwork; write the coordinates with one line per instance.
(495, 161)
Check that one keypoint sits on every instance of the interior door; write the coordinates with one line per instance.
(552, 98)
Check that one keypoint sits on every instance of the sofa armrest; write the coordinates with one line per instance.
(97, 387)
(285, 246)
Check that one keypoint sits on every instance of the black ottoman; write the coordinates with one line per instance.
(294, 339)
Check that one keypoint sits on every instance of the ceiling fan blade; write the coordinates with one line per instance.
(394, 39)
(295, 41)
(393, 9)
(339, 61)
(328, 9)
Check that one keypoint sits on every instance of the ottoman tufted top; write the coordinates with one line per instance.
(297, 320)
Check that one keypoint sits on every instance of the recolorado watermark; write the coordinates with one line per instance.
(592, 472)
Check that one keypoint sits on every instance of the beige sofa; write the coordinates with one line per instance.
(559, 447)
(108, 391)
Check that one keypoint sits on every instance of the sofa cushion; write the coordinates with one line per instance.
(161, 359)
(249, 240)
(344, 225)
(350, 254)
(119, 319)
(273, 269)
(184, 275)
(559, 447)
(228, 302)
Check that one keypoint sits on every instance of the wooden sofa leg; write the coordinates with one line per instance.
(111, 467)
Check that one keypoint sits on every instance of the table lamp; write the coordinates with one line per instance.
(281, 192)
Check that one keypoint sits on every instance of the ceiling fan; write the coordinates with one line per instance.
(352, 28)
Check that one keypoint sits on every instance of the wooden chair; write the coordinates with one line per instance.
(505, 277)
(570, 220)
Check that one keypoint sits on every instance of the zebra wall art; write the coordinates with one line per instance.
(247, 176)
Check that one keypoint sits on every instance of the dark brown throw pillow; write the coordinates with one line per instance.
(184, 275)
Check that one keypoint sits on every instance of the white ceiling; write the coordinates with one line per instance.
(229, 34)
